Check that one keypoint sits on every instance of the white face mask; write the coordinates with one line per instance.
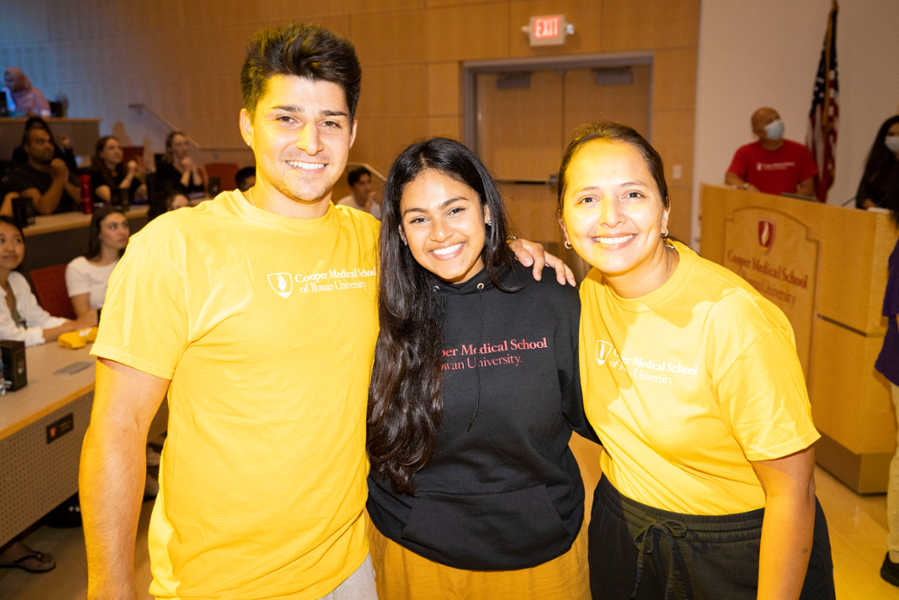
(892, 142)
(775, 130)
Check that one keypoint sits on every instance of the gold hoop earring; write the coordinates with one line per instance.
(568, 245)
(665, 233)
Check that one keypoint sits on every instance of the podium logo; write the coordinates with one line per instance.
(282, 283)
(766, 234)
(603, 351)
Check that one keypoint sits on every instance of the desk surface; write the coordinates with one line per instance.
(45, 391)
(72, 220)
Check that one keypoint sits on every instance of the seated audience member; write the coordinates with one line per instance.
(879, 185)
(246, 178)
(21, 317)
(362, 196)
(87, 275)
(52, 187)
(108, 172)
(62, 149)
(176, 201)
(177, 170)
(772, 165)
(28, 99)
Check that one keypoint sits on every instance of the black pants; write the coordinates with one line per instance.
(637, 551)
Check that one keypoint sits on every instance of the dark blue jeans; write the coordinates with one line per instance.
(637, 551)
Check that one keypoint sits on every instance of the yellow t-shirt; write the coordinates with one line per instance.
(266, 327)
(688, 384)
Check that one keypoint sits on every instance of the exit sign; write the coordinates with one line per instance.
(546, 27)
(548, 30)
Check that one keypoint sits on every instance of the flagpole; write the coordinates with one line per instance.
(826, 124)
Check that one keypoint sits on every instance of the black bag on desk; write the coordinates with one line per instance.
(15, 371)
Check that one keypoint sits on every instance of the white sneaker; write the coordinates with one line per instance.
(152, 457)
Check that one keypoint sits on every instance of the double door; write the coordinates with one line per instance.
(525, 121)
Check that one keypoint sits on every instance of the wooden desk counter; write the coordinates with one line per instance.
(73, 220)
(38, 473)
(45, 391)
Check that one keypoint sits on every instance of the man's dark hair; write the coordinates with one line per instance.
(26, 138)
(242, 175)
(303, 50)
(356, 174)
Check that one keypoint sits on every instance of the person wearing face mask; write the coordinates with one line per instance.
(772, 165)
(880, 183)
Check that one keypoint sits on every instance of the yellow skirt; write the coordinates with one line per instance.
(400, 574)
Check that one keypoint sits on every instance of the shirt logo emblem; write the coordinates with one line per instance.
(603, 349)
(282, 283)
(767, 228)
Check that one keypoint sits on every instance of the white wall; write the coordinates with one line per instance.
(766, 53)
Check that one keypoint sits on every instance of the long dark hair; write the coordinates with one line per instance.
(100, 164)
(93, 240)
(880, 162)
(405, 400)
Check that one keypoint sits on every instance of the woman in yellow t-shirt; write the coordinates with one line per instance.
(692, 382)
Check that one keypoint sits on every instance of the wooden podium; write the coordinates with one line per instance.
(826, 268)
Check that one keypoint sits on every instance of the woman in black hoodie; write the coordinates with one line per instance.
(474, 492)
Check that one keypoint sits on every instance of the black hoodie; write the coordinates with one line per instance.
(503, 490)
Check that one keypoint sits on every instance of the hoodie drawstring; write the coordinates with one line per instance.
(477, 364)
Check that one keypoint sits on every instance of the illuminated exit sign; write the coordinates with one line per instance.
(549, 30)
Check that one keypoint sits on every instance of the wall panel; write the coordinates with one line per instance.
(443, 88)
(471, 32)
(182, 57)
(389, 37)
(394, 90)
(672, 137)
(674, 75)
(648, 24)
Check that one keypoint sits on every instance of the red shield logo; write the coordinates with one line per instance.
(766, 234)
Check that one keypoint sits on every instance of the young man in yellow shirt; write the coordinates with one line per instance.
(257, 313)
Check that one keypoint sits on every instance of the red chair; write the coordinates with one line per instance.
(52, 294)
(226, 172)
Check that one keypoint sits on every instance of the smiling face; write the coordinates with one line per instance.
(613, 216)
(12, 247)
(443, 222)
(301, 135)
(114, 231)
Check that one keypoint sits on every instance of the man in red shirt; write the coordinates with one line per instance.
(772, 165)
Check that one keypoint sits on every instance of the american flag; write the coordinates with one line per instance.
(821, 138)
